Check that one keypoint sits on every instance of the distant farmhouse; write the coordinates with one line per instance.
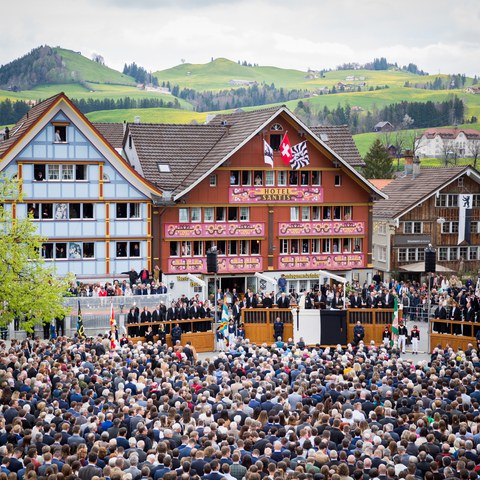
(473, 89)
(436, 142)
(242, 83)
(383, 127)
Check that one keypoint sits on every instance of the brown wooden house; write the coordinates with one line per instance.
(426, 206)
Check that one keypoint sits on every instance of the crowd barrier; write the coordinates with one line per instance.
(453, 333)
(198, 331)
(258, 324)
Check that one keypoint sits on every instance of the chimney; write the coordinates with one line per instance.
(124, 126)
(408, 162)
(136, 120)
(7, 133)
(416, 167)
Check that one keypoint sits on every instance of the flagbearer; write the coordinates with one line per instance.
(220, 339)
(402, 336)
(80, 329)
(231, 332)
(415, 334)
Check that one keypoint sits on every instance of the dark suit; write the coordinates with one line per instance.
(90, 471)
(388, 301)
(283, 302)
(172, 313)
(355, 301)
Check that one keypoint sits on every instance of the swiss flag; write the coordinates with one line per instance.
(286, 150)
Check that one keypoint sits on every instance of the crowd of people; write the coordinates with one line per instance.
(72, 408)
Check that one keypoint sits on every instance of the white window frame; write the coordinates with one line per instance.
(213, 180)
(283, 246)
(294, 214)
(450, 227)
(244, 214)
(281, 178)
(412, 228)
(269, 178)
(209, 214)
(195, 214)
(183, 215)
(305, 214)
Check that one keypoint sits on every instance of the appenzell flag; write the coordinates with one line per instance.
(286, 150)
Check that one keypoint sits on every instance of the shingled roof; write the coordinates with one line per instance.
(112, 132)
(405, 192)
(181, 147)
(26, 122)
(340, 140)
(192, 150)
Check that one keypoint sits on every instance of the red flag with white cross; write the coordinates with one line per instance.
(286, 150)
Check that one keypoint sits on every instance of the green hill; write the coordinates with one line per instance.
(46, 66)
(218, 74)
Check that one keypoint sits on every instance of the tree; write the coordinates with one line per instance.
(450, 152)
(475, 151)
(378, 162)
(29, 291)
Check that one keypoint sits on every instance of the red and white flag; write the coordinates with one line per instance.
(286, 150)
(113, 343)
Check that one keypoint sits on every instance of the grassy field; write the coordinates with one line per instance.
(148, 115)
(96, 91)
(216, 75)
(363, 141)
(85, 69)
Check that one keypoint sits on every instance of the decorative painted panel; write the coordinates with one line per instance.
(213, 230)
(275, 194)
(334, 261)
(225, 265)
(321, 228)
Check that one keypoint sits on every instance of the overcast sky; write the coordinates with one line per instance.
(437, 35)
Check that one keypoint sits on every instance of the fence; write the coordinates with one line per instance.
(258, 323)
(373, 321)
(453, 333)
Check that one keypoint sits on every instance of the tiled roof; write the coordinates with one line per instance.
(381, 183)
(192, 150)
(182, 147)
(405, 192)
(27, 121)
(340, 140)
(112, 132)
(451, 133)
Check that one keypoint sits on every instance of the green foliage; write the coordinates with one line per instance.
(29, 290)
(378, 162)
(45, 65)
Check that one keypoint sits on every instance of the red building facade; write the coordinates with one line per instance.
(272, 220)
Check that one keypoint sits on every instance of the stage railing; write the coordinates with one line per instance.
(453, 333)
(373, 321)
(198, 331)
(258, 323)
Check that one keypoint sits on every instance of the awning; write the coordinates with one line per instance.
(420, 267)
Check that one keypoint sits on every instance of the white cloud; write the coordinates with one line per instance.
(434, 34)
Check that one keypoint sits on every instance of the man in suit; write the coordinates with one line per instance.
(172, 312)
(237, 312)
(456, 314)
(355, 300)
(283, 301)
(278, 329)
(387, 299)
(91, 470)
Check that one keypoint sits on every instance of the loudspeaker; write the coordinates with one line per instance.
(430, 261)
(212, 264)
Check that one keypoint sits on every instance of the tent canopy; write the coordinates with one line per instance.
(420, 268)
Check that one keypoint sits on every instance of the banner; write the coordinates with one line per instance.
(464, 218)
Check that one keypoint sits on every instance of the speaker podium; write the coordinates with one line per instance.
(324, 327)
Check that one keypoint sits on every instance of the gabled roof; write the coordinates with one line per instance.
(405, 193)
(34, 121)
(340, 140)
(451, 133)
(112, 132)
(27, 122)
(195, 151)
(181, 147)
